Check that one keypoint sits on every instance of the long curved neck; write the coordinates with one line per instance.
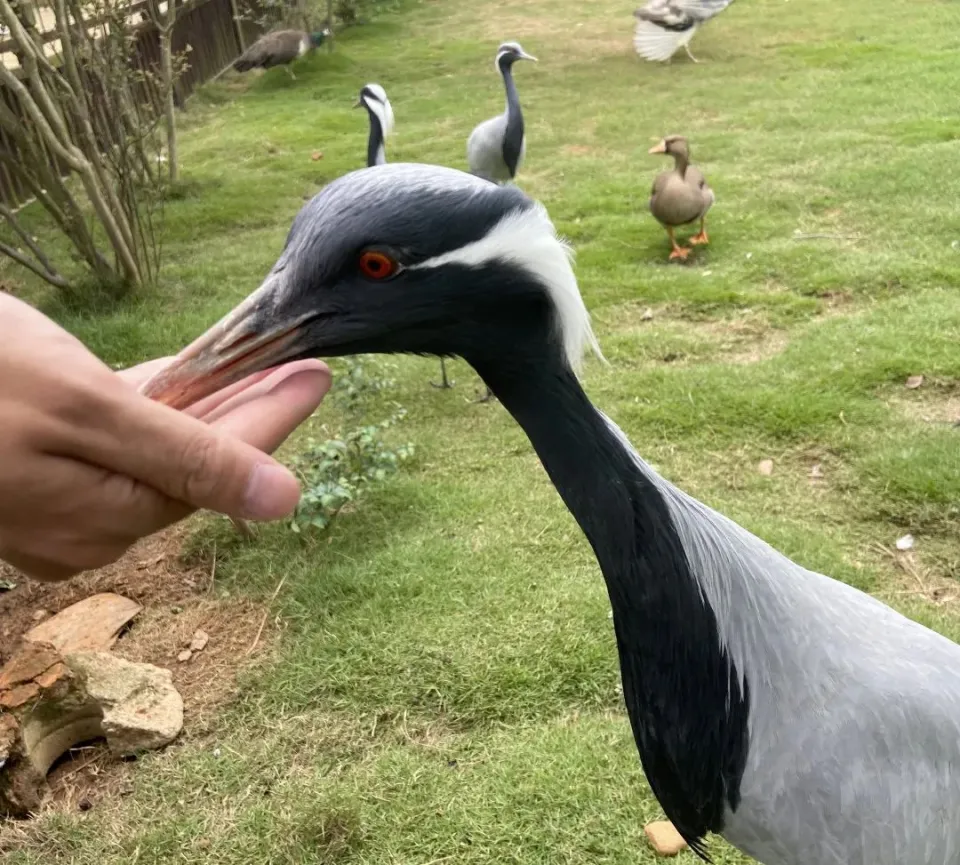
(681, 690)
(376, 153)
(513, 133)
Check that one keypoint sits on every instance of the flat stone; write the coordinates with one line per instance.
(664, 838)
(91, 624)
(32, 660)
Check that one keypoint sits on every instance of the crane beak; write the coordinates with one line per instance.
(525, 56)
(245, 341)
(357, 104)
(658, 148)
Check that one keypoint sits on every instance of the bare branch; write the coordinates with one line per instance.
(50, 276)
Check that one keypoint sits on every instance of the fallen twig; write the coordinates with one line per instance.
(266, 613)
(825, 237)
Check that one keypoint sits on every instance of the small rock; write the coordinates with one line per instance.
(141, 708)
(765, 467)
(647, 315)
(199, 641)
(39, 614)
(914, 381)
(316, 155)
(185, 655)
(816, 471)
(664, 838)
(905, 543)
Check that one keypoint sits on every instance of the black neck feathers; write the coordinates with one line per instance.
(375, 141)
(682, 693)
(513, 133)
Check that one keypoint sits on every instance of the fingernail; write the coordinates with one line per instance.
(272, 493)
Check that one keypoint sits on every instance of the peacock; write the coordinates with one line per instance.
(665, 26)
(279, 48)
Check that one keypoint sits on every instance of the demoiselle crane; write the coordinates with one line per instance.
(374, 98)
(496, 147)
(803, 720)
(665, 26)
(279, 48)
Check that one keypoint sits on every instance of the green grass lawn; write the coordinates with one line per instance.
(446, 690)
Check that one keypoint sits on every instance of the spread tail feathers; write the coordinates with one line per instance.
(653, 42)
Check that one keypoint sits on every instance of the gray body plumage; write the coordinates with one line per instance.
(854, 754)
(485, 151)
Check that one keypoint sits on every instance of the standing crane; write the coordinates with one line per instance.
(496, 147)
(801, 719)
(374, 98)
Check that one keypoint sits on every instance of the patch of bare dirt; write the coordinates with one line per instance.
(178, 601)
(151, 573)
(931, 403)
(744, 340)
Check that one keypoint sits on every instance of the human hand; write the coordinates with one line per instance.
(88, 465)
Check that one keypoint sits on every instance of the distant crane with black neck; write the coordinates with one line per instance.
(496, 147)
(374, 98)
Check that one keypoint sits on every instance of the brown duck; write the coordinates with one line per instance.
(680, 196)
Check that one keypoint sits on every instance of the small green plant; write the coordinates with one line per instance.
(363, 377)
(338, 471)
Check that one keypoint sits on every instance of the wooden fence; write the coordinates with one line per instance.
(211, 29)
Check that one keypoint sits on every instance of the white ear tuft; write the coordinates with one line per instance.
(527, 239)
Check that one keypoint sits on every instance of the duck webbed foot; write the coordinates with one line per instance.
(700, 239)
(678, 252)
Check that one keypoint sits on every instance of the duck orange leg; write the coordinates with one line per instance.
(680, 252)
(700, 238)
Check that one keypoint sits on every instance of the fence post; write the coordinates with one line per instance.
(238, 26)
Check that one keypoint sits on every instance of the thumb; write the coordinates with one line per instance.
(188, 460)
